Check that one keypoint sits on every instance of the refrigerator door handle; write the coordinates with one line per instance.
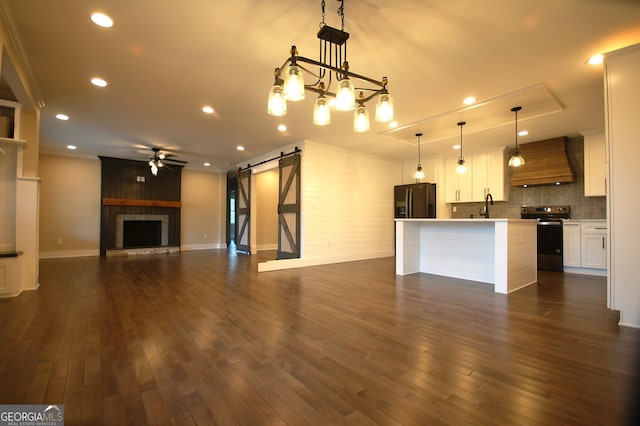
(409, 203)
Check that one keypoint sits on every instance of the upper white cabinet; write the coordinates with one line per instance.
(457, 185)
(486, 173)
(595, 172)
(488, 176)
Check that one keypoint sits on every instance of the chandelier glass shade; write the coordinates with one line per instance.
(516, 159)
(294, 83)
(332, 69)
(384, 108)
(277, 105)
(361, 119)
(321, 112)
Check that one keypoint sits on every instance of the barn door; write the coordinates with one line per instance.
(289, 208)
(243, 211)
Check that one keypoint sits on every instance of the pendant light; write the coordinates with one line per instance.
(461, 166)
(419, 173)
(516, 159)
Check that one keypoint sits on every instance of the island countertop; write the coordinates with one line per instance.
(469, 219)
(499, 251)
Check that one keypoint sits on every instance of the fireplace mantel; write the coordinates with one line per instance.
(140, 203)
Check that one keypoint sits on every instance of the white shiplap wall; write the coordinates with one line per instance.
(346, 206)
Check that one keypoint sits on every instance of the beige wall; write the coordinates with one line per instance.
(266, 210)
(203, 210)
(70, 207)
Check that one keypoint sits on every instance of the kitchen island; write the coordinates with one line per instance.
(502, 252)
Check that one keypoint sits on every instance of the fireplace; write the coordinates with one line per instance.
(142, 230)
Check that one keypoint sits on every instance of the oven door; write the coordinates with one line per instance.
(550, 245)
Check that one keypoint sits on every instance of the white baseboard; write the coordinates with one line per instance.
(192, 247)
(68, 253)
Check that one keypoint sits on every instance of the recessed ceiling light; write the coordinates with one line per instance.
(102, 20)
(469, 100)
(240, 148)
(98, 82)
(393, 124)
(595, 59)
(523, 133)
(72, 147)
(206, 164)
(207, 109)
(63, 117)
(456, 147)
(282, 128)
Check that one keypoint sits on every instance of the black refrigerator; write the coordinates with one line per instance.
(416, 200)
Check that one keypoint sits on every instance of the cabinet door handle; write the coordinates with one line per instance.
(603, 243)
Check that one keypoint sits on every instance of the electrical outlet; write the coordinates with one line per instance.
(204, 236)
(455, 209)
(59, 241)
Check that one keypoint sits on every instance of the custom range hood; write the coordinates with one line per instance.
(546, 163)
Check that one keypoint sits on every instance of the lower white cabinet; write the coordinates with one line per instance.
(571, 244)
(593, 245)
(585, 246)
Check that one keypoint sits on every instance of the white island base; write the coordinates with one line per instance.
(502, 252)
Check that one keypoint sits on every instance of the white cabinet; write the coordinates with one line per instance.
(488, 176)
(584, 248)
(571, 244)
(593, 246)
(457, 185)
(595, 174)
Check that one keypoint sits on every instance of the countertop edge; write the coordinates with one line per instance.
(475, 220)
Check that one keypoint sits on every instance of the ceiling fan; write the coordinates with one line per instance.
(161, 159)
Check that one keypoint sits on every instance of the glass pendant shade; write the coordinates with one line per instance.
(321, 112)
(461, 168)
(419, 173)
(294, 84)
(384, 108)
(345, 96)
(361, 119)
(277, 104)
(516, 159)
(154, 169)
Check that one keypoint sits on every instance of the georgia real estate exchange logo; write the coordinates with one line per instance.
(31, 415)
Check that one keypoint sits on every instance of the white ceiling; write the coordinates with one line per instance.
(164, 60)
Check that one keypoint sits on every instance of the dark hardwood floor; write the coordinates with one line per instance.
(202, 338)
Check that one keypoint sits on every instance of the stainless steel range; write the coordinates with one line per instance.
(549, 233)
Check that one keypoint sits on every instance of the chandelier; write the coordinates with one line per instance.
(333, 70)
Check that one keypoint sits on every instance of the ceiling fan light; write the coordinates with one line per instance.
(345, 96)
(361, 119)
(294, 84)
(384, 108)
(321, 112)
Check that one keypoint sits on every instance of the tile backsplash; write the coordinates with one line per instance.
(571, 194)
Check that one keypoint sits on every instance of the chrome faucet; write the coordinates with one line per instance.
(486, 204)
